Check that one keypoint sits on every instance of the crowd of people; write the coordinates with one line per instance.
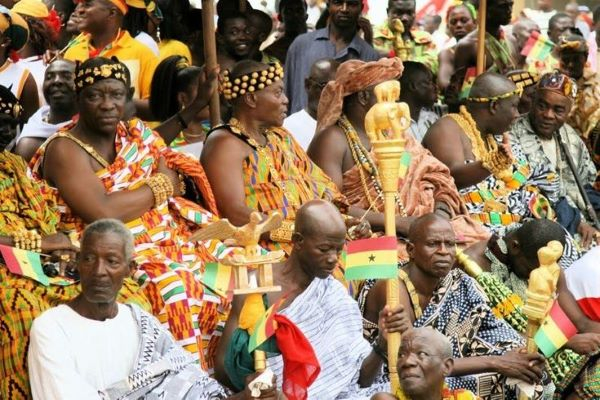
(109, 166)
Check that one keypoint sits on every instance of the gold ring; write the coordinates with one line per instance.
(65, 257)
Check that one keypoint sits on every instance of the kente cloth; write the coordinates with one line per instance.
(523, 134)
(497, 205)
(351, 77)
(585, 114)
(170, 268)
(458, 309)
(421, 47)
(163, 370)
(331, 321)
(426, 182)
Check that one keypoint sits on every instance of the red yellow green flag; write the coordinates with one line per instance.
(470, 76)
(24, 263)
(375, 258)
(538, 47)
(265, 327)
(219, 280)
(556, 330)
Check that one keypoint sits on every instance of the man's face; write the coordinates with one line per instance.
(544, 4)
(434, 251)
(294, 17)
(426, 89)
(102, 267)
(549, 112)
(74, 21)
(59, 84)
(271, 104)
(522, 31)
(506, 111)
(403, 10)
(102, 105)
(419, 366)
(93, 15)
(559, 27)
(500, 12)
(460, 22)
(237, 37)
(345, 13)
(319, 252)
(315, 83)
(572, 63)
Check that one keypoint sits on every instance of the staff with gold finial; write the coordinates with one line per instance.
(385, 124)
(481, 37)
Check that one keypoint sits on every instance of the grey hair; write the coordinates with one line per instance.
(111, 225)
(442, 342)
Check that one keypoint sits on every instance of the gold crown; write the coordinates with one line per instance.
(89, 76)
(250, 82)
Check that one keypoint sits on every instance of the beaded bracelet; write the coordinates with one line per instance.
(161, 186)
(28, 240)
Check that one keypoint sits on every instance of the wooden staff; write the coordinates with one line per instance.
(210, 55)
(481, 37)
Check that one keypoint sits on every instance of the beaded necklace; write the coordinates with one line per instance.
(363, 161)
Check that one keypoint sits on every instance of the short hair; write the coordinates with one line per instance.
(226, 17)
(556, 17)
(111, 225)
(265, 22)
(392, 2)
(445, 346)
(411, 69)
(284, 3)
(535, 234)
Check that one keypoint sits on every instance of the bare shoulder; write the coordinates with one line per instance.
(331, 141)
(444, 127)
(223, 141)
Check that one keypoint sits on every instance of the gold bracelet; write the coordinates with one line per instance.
(498, 164)
(181, 184)
(283, 234)
(28, 240)
(161, 186)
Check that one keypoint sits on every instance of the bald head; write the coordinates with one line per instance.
(522, 30)
(321, 72)
(324, 69)
(419, 228)
(490, 84)
(318, 216)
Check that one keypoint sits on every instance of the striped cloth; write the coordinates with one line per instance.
(170, 267)
(332, 323)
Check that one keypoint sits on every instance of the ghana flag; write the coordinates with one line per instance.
(219, 280)
(24, 263)
(555, 331)
(375, 258)
(265, 327)
(537, 47)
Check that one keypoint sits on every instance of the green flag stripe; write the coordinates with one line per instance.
(377, 271)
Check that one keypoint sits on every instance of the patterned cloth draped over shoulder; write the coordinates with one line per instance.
(170, 267)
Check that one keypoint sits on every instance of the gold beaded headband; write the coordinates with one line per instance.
(573, 45)
(523, 79)
(251, 82)
(88, 76)
(491, 99)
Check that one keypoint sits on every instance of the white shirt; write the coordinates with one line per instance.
(148, 41)
(550, 150)
(72, 357)
(302, 127)
(419, 128)
(37, 127)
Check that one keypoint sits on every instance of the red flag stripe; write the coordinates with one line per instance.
(374, 244)
(562, 320)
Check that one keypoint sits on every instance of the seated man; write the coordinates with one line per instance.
(537, 134)
(343, 150)
(320, 307)
(484, 347)
(267, 170)
(495, 181)
(424, 361)
(131, 175)
(95, 348)
(511, 259)
(28, 207)
(59, 92)
(303, 124)
(419, 92)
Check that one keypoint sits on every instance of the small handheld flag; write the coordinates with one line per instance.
(537, 47)
(375, 258)
(556, 330)
(265, 327)
(470, 76)
(24, 263)
(219, 280)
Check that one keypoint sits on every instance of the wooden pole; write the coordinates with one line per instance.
(481, 37)
(210, 55)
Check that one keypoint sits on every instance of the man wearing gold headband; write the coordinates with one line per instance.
(495, 181)
(131, 175)
(537, 133)
(342, 148)
(101, 20)
(253, 163)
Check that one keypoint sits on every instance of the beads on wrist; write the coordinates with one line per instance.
(161, 186)
(181, 184)
(28, 240)
(497, 163)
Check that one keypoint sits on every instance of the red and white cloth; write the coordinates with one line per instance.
(583, 280)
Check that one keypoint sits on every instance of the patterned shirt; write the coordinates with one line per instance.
(522, 133)
(421, 46)
(585, 114)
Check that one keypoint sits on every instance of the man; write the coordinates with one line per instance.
(129, 174)
(94, 347)
(498, 57)
(594, 43)
(102, 21)
(420, 44)
(238, 40)
(521, 32)
(484, 348)
(424, 361)
(267, 169)
(303, 124)
(59, 92)
(559, 24)
(537, 134)
(542, 15)
(495, 181)
(292, 14)
(572, 10)
(343, 149)
(323, 311)
(339, 40)
(419, 92)
(511, 259)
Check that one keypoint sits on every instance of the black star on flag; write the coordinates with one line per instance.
(372, 258)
